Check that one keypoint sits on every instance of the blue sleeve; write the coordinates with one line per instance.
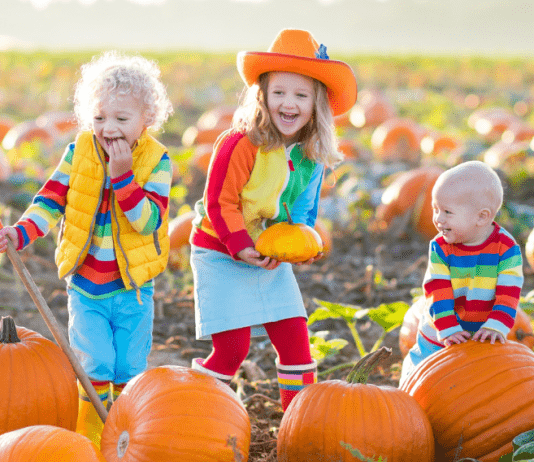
(306, 206)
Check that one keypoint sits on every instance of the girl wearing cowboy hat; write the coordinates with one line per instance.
(282, 139)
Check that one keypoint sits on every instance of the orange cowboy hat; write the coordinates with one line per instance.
(295, 50)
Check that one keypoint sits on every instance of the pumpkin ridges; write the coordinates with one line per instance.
(352, 404)
(481, 424)
(167, 394)
(38, 401)
(59, 409)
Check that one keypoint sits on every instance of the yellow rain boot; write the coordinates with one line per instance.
(89, 423)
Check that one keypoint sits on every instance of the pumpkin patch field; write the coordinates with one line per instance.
(415, 117)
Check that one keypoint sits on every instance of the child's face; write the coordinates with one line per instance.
(290, 100)
(118, 118)
(456, 218)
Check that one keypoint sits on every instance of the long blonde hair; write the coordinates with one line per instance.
(317, 136)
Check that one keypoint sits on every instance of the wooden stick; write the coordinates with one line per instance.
(54, 327)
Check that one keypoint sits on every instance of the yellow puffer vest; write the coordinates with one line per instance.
(140, 258)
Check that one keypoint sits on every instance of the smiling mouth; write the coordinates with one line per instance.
(288, 117)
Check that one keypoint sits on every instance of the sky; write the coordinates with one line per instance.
(488, 27)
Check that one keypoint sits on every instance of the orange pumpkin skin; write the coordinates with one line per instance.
(46, 443)
(377, 420)
(323, 229)
(288, 242)
(476, 395)
(179, 232)
(40, 388)
(173, 413)
(521, 332)
(410, 192)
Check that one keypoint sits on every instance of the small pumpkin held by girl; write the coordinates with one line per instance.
(281, 140)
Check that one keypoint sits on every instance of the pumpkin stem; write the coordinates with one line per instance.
(363, 368)
(521, 334)
(8, 330)
(289, 219)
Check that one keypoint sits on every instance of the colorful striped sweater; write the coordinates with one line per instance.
(469, 287)
(245, 190)
(99, 276)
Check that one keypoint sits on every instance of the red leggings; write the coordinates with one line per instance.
(288, 336)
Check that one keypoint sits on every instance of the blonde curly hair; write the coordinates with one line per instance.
(112, 74)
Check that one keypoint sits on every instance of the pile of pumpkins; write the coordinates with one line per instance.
(169, 413)
(470, 400)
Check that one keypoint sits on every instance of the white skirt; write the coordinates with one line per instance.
(231, 294)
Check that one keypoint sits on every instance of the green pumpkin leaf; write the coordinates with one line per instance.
(334, 310)
(389, 315)
(322, 349)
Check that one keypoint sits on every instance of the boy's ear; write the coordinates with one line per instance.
(485, 217)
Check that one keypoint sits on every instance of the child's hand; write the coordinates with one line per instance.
(458, 337)
(251, 256)
(8, 233)
(311, 260)
(482, 334)
(120, 157)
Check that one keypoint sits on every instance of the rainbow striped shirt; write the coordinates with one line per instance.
(473, 286)
(99, 276)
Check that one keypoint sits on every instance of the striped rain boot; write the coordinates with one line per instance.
(292, 379)
(197, 365)
(89, 423)
(116, 390)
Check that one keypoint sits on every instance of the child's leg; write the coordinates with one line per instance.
(89, 423)
(295, 367)
(116, 390)
(423, 348)
(131, 323)
(90, 337)
(230, 348)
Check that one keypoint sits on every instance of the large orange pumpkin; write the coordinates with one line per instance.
(434, 143)
(371, 109)
(397, 139)
(173, 413)
(513, 159)
(409, 193)
(46, 443)
(328, 418)
(27, 132)
(521, 332)
(478, 397)
(39, 385)
(490, 123)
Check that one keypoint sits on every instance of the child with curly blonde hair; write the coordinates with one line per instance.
(276, 153)
(111, 193)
